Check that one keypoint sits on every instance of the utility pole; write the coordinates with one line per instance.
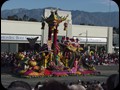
(86, 37)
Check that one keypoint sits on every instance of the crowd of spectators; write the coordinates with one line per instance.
(111, 83)
(10, 60)
(101, 58)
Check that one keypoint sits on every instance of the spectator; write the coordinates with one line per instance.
(19, 85)
(76, 87)
(104, 86)
(38, 86)
(112, 81)
(95, 87)
(54, 85)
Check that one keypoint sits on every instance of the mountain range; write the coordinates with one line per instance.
(78, 17)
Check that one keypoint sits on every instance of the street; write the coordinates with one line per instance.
(106, 71)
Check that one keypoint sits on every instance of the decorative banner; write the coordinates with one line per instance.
(17, 37)
(93, 40)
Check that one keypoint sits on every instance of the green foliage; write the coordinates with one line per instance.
(14, 17)
(25, 18)
(115, 30)
(32, 19)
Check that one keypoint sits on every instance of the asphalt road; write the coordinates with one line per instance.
(106, 71)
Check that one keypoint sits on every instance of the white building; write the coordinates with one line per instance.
(14, 34)
(116, 43)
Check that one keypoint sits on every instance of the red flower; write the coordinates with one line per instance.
(47, 72)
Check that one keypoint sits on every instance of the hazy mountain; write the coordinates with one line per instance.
(33, 13)
(78, 17)
(96, 18)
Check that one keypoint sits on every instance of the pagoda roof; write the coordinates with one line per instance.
(54, 17)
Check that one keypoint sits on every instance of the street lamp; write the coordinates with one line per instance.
(66, 25)
(86, 36)
(42, 38)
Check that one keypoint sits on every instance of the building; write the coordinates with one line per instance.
(14, 34)
(116, 43)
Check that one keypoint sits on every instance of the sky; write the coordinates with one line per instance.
(82, 5)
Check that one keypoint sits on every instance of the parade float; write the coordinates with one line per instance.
(61, 58)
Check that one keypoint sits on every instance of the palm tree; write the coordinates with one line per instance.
(25, 18)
